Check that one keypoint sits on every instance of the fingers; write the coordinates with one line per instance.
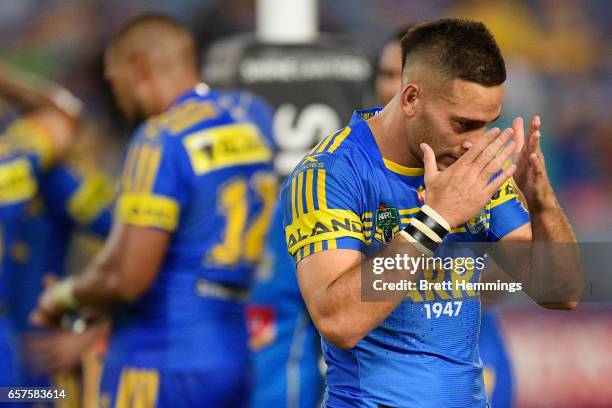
(49, 279)
(534, 125)
(478, 146)
(498, 162)
(537, 165)
(429, 159)
(519, 133)
(497, 182)
(492, 150)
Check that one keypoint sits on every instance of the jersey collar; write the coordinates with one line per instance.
(358, 119)
(201, 89)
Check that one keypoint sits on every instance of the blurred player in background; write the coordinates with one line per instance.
(30, 147)
(72, 196)
(363, 188)
(497, 372)
(197, 195)
(285, 344)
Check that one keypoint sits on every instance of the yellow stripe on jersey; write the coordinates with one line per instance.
(309, 191)
(147, 210)
(181, 117)
(412, 210)
(322, 225)
(137, 388)
(151, 169)
(93, 196)
(128, 168)
(300, 188)
(17, 182)
(31, 136)
(403, 170)
(293, 193)
(321, 195)
(141, 168)
(339, 139)
(224, 146)
(320, 148)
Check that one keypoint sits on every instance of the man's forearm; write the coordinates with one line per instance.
(97, 286)
(556, 267)
(341, 308)
(32, 92)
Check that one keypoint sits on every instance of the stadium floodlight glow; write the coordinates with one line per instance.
(287, 21)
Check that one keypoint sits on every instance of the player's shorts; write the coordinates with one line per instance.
(147, 387)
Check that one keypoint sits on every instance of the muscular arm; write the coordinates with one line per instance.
(554, 274)
(125, 268)
(330, 283)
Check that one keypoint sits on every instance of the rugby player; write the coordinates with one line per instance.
(29, 148)
(196, 198)
(414, 173)
(497, 371)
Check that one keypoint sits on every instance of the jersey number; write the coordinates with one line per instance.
(242, 243)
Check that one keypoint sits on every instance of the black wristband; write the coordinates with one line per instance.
(420, 237)
(432, 224)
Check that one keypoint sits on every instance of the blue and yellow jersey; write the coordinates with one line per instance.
(70, 199)
(425, 354)
(204, 176)
(497, 367)
(25, 151)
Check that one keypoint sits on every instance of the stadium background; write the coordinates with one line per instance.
(558, 57)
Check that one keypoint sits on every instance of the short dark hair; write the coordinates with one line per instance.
(457, 48)
(400, 33)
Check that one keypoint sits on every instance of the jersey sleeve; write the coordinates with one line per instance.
(18, 184)
(79, 198)
(506, 211)
(321, 204)
(154, 183)
(33, 141)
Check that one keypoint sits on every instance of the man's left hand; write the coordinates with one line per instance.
(531, 176)
(55, 301)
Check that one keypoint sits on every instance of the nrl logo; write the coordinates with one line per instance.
(478, 223)
(387, 223)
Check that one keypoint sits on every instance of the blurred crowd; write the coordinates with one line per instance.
(557, 54)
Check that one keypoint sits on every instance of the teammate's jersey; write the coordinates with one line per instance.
(70, 199)
(204, 176)
(285, 343)
(25, 152)
(345, 195)
(497, 368)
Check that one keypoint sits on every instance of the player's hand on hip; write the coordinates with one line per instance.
(531, 176)
(464, 188)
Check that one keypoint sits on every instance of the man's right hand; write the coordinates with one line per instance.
(463, 189)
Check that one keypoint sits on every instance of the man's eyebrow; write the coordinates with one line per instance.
(472, 121)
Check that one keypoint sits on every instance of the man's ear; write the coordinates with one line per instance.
(141, 68)
(410, 98)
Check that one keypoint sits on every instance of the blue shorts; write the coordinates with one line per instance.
(128, 386)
